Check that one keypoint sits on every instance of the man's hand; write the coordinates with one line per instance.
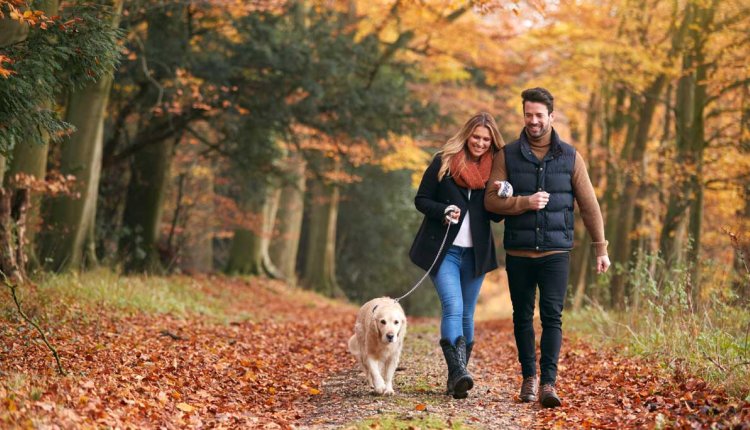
(539, 200)
(602, 264)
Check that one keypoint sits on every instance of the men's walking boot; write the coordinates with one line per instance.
(529, 389)
(549, 397)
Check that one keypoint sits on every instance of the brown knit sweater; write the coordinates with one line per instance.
(582, 189)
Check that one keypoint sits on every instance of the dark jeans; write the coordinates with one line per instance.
(550, 273)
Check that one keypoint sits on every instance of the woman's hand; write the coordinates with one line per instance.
(504, 189)
(452, 214)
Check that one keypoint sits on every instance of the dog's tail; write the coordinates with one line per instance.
(353, 346)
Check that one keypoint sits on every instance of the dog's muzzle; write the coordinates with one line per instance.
(390, 337)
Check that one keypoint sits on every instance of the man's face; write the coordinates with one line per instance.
(537, 118)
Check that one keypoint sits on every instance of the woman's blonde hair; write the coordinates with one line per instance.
(458, 141)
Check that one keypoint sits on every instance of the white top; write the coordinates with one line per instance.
(463, 238)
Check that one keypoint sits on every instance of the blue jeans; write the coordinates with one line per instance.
(458, 290)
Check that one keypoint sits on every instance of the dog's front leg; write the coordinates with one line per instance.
(366, 368)
(390, 369)
(373, 368)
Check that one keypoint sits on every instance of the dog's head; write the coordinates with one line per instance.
(389, 321)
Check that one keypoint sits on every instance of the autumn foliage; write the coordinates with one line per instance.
(269, 359)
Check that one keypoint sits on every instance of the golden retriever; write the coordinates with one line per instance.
(377, 341)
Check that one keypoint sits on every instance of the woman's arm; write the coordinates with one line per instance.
(426, 199)
(514, 205)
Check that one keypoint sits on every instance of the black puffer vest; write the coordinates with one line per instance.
(550, 229)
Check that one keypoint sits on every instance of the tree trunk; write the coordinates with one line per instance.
(319, 270)
(689, 110)
(741, 285)
(70, 218)
(196, 243)
(31, 159)
(285, 245)
(693, 254)
(166, 49)
(249, 250)
(581, 254)
(90, 259)
(742, 252)
(616, 172)
(143, 208)
(245, 253)
(633, 188)
(270, 209)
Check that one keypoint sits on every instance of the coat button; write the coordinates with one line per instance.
(540, 189)
(537, 248)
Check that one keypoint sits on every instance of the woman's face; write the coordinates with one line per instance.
(479, 141)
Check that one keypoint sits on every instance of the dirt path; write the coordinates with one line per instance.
(420, 382)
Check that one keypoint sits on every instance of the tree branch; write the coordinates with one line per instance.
(26, 318)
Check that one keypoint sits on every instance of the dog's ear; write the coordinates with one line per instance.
(376, 323)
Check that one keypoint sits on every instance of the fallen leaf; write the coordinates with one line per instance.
(421, 407)
(185, 407)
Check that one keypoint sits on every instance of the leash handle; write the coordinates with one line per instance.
(431, 266)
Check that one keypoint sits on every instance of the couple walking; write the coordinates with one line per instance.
(531, 183)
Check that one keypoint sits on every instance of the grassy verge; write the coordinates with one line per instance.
(710, 339)
(70, 295)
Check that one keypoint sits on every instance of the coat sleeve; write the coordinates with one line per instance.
(426, 200)
(514, 205)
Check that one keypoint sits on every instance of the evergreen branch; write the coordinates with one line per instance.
(26, 318)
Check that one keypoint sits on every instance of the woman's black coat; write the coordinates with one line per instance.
(432, 198)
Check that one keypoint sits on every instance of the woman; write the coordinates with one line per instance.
(452, 190)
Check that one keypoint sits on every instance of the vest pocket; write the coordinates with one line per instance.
(567, 229)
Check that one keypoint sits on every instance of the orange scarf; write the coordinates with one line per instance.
(468, 174)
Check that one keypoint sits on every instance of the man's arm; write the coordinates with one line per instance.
(514, 205)
(590, 212)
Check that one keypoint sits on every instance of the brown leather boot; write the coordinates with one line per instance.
(529, 389)
(549, 398)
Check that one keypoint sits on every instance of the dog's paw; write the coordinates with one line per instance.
(380, 390)
(389, 391)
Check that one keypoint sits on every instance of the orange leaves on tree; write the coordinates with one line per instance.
(5, 73)
(55, 183)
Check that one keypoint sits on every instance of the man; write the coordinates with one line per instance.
(546, 175)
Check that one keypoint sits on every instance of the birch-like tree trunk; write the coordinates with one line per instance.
(285, 246)
(319, 270)
(70, 218)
